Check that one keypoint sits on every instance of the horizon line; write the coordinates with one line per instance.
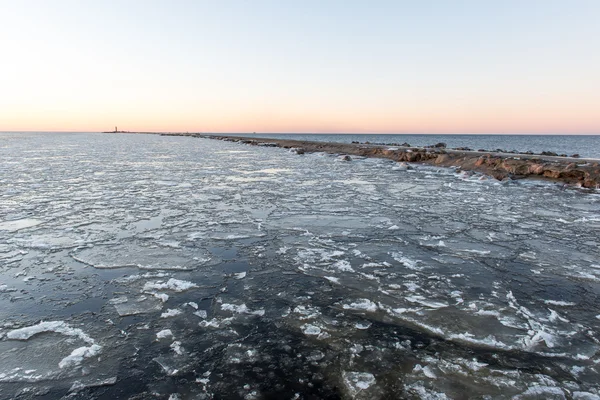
(311, 133)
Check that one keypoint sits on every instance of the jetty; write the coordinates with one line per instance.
(501, 165)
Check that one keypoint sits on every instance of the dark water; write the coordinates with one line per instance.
(584, 145)
(148, 267)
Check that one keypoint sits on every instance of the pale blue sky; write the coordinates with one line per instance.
(301, 66)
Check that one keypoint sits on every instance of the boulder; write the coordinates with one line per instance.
(499, 175)
(549, 153)
(442, 158)
(413, 157)
(480, 161)
(536, 169)
(552, 172)
(516, 167)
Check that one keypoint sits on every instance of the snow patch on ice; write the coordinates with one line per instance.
(78, 355)
(241, 309)
(311, 330)
(48, 326)
(173, 284)
(165, 333)
(361, 305)
(560, 303)
(170, 313)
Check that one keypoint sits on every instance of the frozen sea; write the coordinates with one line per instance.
(149, 267)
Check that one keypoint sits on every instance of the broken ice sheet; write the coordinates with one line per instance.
(138, 305)
(357, 382)
(133, 254)
(46, 350)
(383, 262)
(15, 225)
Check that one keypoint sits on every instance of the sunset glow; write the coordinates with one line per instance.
(323, 67)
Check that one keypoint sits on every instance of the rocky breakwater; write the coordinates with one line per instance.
(584, 173)
(570, 170)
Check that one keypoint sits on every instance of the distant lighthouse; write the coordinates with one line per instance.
(116, 130)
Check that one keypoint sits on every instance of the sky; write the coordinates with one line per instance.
(319, 66)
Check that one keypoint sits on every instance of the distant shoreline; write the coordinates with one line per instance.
(583, 172)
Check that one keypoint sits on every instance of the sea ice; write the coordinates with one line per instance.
(241, 309)
(48, 326)
(141, 305)
(176, 347)
(170, 313)
(165, 333)
(79, 354)
(173, 284)
(361, 305)
(16, 225)
(311, 330)
(357, 381)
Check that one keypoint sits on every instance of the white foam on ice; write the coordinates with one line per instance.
(241, 309)
(361, 305)
(426, 370)
(171, 312)
(425, 302)
(161, 296)
(489, 341)
(306, 312)
(374, 265)
(363, 325)
(215, 323)
(78, 355)
(537, 337)
(407, 262)
(48, 326)
(423, 393)
(173, 284)
(165, 333)
(542, 392)
(342, 265)
(555, 316)
(137, 277)
(311, 330)
(176, 347)
(560, 303)
(78, 385)
(240, 275)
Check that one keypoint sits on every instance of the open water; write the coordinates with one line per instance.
(141, 266)
(584, 145)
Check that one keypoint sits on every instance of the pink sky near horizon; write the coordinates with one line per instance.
(272, 67)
